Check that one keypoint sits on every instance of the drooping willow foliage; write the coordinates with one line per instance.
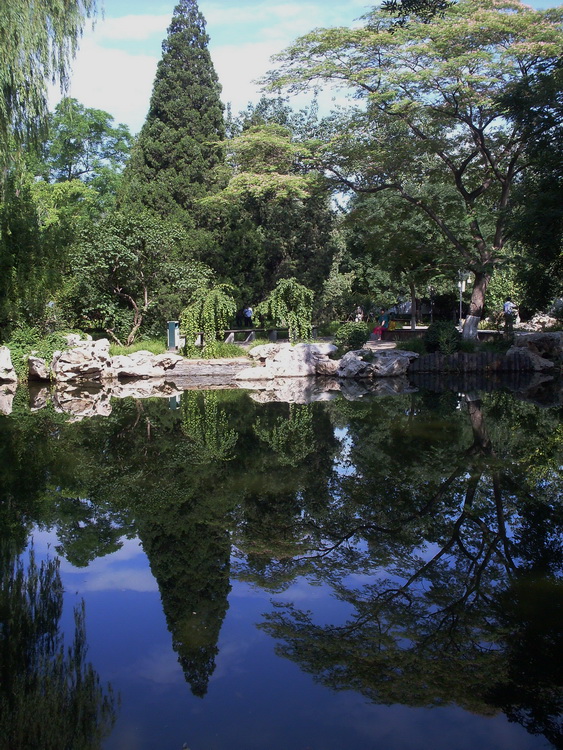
(50, 696)
(290, 304)
(207, 428)
(291, 439)
(209, 313)
(37, 42)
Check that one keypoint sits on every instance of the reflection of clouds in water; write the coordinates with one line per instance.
(342, 463)
(127, 569)
(160, 666)
(301, 590)
(233, 657)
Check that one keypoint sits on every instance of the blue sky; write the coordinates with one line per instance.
(116, 63)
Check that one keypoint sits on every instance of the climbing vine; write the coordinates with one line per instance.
(209, 314)
(290, 304)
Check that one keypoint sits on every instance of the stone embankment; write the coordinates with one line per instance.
(82, 380)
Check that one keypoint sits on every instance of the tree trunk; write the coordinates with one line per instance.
(413, 305)
(476, 305)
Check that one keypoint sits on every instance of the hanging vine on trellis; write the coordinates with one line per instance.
(209, 314)
(290, 304)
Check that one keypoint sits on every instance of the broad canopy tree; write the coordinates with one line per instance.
(428, 110)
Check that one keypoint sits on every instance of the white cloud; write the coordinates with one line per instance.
(116, 63)
(113, 80)
(133, 27)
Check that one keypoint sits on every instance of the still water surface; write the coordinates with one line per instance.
(381, 573)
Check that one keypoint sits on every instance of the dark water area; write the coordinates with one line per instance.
(216, 573)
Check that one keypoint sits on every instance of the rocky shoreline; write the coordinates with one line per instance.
(83, 379)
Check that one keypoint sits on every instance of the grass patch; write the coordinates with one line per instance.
(228, 351)
(154, 346)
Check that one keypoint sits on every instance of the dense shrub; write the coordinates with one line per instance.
(351, 336)
(442, 337)
(26, 340)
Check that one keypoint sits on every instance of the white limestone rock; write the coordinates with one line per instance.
(7, 372)
(88, 361)
(7, 393)
(285, 361)
(536, 363)
(37, 369)
(547, 344)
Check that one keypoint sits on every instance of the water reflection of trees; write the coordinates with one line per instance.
(436, 549)
(436, 522)
(50, 697)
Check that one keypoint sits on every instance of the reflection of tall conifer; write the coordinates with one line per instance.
(189, 558)
(174, 161)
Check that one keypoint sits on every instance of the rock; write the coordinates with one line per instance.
(88, 361)
(81, 402)
(7, 372)
(539, 322)
(533, 362)
(7, 393)
(37, 369)
(365, 363)
(38, 397)
(327, 367)
(548, 344)
(143, 364)
(285, 361)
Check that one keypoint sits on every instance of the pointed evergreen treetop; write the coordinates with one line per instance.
(178, 152)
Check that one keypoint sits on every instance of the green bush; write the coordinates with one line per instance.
(351, 336)
(442, 337)
(26, 340)
(416, 345)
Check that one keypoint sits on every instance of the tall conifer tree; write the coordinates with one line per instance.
(177, 158)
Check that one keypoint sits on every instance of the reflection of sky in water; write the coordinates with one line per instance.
(342, 463)
(255, 700)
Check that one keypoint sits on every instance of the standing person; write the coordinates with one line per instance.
(247, 313)
(359, 314)
(382, 324)
(509, 310)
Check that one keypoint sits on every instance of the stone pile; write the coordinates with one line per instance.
(302, 360)
(91, 361)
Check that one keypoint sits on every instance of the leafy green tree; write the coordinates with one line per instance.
(384, 232)
(536, 104)
(37, 43)
(84, 144)
(276, 216)
(122, 271)
(430, 114)
(177, 158)
(289, 304)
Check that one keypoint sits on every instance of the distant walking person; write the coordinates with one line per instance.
(382, 324)
(247, 314)
(359, 314)
(509, 310)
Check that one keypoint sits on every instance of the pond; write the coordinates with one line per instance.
(216, 573)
